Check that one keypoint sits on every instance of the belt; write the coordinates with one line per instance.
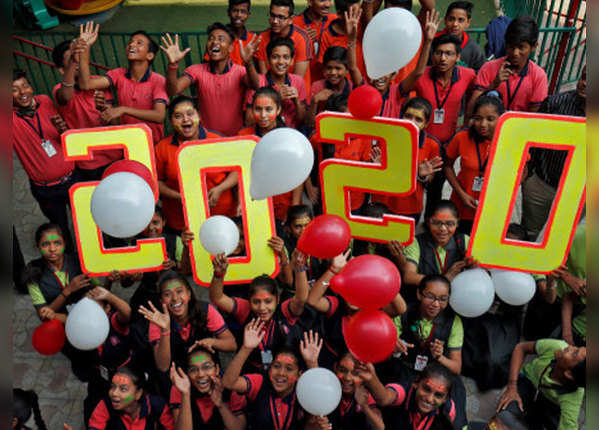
(56, 182)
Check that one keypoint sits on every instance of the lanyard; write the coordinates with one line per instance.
(38, 130)
(269, 334)
(66, 279)
(275, 415)
(511, 97)
(385, 98)
(481, 166)
(442, 267)
(421, 334)
(441, 104)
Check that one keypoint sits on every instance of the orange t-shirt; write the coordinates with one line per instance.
(167, 170)
(235, 55)
(412, 203)
(331, 38)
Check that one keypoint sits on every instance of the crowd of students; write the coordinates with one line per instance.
(162, 363)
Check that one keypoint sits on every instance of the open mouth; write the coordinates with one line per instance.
(203, 385)
(187, 128)
(215, 50)
(177, 307)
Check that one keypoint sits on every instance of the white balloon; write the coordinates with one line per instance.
(281, 161)
(122, 204)
(391, 39)
(219, 234)
(514, 288)
(472, 293)
(318, 391)
(87, 325)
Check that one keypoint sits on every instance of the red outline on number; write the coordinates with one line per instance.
(387, 218)
(90, 156)
(523, 161)
(241, 189)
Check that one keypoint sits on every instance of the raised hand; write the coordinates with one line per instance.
(431, 24)
(376, 155)
(277, 244)
(186, 237)
(248, 50)
(99, 293)
(352, 19)
(220, 263)
(161, 319)
(89, 33)
(340, 261)
(365, 371)
(172, 50)
(253, 333)
(180, 379)
(310, 347)
(428, 167)
(216, 393)
(168, 264)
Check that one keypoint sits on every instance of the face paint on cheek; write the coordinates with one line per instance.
(129, 398)
(292, 379)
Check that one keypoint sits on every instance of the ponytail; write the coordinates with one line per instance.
(37, 414)
(24, 403)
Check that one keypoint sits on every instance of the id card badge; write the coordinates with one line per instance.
(266, 357)
(477, 184)
(439, 116)
(421, 362)
(104, 372)
(49, 148)
(316, 49)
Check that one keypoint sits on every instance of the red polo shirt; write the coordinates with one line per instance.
(80, 112)
(303, 49)
(101, 416)
(520, 92)
(144, 94)
(288, 113)
(322, 84)
(331, 38)
(205, 404)
(412, 204)
(168, 171)
(220, 96)
(27, 136)
(235, 55)
(304, 22)
(392, 101)
(448, 98)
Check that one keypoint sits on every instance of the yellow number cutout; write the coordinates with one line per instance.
(136, 142)
(396, 175)
(195, 160)
(516, 133)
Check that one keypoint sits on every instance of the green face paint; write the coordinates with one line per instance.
(200, 358)
(53, 237)
(173, 284)
(129, 398)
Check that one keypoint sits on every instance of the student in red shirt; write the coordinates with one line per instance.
(221, 84)
(314, 20)
(417, 110)
(186, 123)
(266, 109)
(36, 129)
(393, 94)
(290, 86)
(141, 92)
(521, 83)
(127, 406)
(198, 399)
(281, 25)
(81, 109)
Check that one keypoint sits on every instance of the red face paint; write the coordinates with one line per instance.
(434, 386)
(121, 379)
(263, 296)
(286, 359)
(292, 379)
(444, 215)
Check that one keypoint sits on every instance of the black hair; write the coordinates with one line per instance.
(290, 350)
(33, 271)
(418, 103)
(433, 278)
(343, 5)
(485, 100)
(39, 233)
(197, 316)
(283, 3)
(177, 101)
(152, 47)
(375, 210)
(138, 377)
(18, 74)
(579, 373)
(296, 211)
(280, 41)
(336, 102)
(212, 355)
(406, 4)
(275, 97)
(443, 205)
(434, 370)
(220, 26)
(335, 53)
(58, 52)
(522, 29)
(238, 2)
(444, 39)
(158, 211)
(24, 403)
(464, 5)
(263, 282)
(518, 231)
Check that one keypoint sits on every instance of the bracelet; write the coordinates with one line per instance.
(173, 66)
(168, 333)
(332, 271)
(302, 269)
(64, 84)
(219, 274)
(63, 295)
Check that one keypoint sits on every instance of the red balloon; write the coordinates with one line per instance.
(368, 282)
(49, 337)
(326, 236)
(364, 102)
(370, 336)
(136, 167)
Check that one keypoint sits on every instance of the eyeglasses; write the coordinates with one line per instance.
(278, 17)
(439, 223)
(207, 367)
(449, 54)
(432, 299)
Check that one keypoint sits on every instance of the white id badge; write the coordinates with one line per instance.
(439, 116)
(316, 49)
(421, 362)
(266, 357)
(477, 184)
(49, 148)
(103, 372)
